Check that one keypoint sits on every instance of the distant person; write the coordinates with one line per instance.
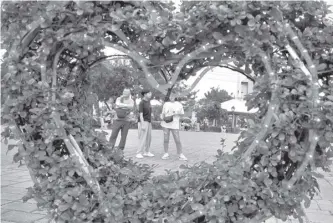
(206, 122)
(171, 113)
(224, 130)
(123, 118)
(144, 125)
(197, 126)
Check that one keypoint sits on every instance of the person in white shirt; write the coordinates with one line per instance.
(174, 109)
(124, 117)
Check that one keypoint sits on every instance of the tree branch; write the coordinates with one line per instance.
(273, 108)
(313, 76)
(325, 73)
(141, 61)
(187, 59)
(201, 75)
(104, 58)
(75, 151)
(209, 67)
(251, 78)
(54, 72)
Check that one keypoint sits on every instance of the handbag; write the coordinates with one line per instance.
(168, 119)
(122, 113)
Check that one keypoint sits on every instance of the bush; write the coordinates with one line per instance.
(214, 129)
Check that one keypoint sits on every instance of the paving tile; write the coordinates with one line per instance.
(313, 206)
(3, 211)
(20, 206)
(324, 202)
(324, 217)
(4, 201)
(11, 178)
(32, 201)
(21, 217)
(43, 220)
(14, 190)
(23, 185)
(12, 197)
(8, 182)
(326, 207)
(39, 211)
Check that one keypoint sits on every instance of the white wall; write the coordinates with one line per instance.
(224, 79)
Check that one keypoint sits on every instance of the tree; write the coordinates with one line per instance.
(51, 46)
(210, 105)
(212, 111)
(111, 81)
(216, 95)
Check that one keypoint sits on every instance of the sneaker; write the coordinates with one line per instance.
(149, 154)
(139, 156)
(165, 156)
(182, 157)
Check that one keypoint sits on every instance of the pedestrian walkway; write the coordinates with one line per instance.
(198, 146)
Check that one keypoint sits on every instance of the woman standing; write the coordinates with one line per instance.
(171, 113)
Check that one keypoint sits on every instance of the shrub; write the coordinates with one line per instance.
(214, 129)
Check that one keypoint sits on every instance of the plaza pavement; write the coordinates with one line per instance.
(198, 146)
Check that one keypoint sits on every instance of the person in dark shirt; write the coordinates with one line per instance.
(144, 125)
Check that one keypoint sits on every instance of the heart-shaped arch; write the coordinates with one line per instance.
(84, 170)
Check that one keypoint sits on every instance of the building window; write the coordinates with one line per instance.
(244, 88)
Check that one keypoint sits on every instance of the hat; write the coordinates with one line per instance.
(144, 91)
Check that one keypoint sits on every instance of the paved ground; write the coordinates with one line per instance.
(198, 146)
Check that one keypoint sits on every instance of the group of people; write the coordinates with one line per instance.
(171, 114)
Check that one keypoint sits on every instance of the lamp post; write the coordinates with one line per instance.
(233, 119)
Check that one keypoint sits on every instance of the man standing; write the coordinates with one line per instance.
(144, 125)
(124, 112)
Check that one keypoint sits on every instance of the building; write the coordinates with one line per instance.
(236, 84)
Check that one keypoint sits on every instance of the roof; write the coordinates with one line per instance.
(239, 106)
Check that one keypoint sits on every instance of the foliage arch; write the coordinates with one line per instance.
(51, 45)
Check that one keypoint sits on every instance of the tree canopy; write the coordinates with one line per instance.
(210, 105)
(286, 46)
(216, 95)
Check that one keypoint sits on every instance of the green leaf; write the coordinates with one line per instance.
(217, 35)
(197, 207)
(274, 134)
(247, 69)
(251, 22)
(31, 81)
(10, 147)
(317, 175)
(329, 136)
(328, 103)
(7, 76)
(63, 207)
(293, 139)
(330, 97)
(67, 198)
(17, 157)
(276, 14)
(282, 137)
(307, 202)
(322, 66)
